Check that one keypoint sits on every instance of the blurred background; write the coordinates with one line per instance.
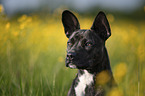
(33, 45)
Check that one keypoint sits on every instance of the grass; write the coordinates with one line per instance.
(33, 48)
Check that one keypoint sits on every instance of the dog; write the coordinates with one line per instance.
(86, 52)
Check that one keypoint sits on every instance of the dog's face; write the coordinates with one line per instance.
(85, 47)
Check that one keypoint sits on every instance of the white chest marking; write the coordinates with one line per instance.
(84, 80)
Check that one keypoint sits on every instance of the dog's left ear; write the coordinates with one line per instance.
(101, 26)
(70, 22)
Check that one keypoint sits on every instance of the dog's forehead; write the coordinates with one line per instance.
(89, 33)
(82, 34)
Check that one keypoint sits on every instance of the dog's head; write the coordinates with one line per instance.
(85, 47)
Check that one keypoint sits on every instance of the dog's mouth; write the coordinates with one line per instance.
(77, 65)
(71, 65)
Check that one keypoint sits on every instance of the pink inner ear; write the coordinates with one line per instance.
(75, 23)
(103, 22)
(67, 33)
(108, 33)
(74, 20)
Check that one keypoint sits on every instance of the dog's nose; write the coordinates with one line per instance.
(71, 55)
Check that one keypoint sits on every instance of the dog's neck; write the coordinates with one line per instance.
(94, 79)
(103, 65)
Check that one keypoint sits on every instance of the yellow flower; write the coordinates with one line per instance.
(15, 34)
(103, 77)
(29, 19)
(1, 8)
(120, 71)
(7, 25)
(22, 18)
(22, 26)
(115, 92)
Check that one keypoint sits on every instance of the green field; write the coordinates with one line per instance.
(33, 49)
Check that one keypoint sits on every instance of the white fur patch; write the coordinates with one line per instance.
(72, 66)
(84, 80)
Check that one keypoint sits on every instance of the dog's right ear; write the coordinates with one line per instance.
(70, 22)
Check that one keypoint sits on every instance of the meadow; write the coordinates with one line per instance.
(33, 49)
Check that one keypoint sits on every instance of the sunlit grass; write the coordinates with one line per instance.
(32, 55)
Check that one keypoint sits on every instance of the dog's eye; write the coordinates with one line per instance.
(69, 43)
(88, 44)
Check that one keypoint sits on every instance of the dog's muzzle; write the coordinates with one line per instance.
(70, 60)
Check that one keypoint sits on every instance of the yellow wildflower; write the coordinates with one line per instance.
(29, 19)
(103, 77)
(7, 25)
(23, 25)
(22, 18)
(1, 8)
(15, 33)
(115, 92)
(120, 71)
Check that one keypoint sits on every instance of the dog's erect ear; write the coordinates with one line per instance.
(101, 26)
(70, 22)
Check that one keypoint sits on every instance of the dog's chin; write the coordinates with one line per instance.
(77, 66)
(72, 66)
